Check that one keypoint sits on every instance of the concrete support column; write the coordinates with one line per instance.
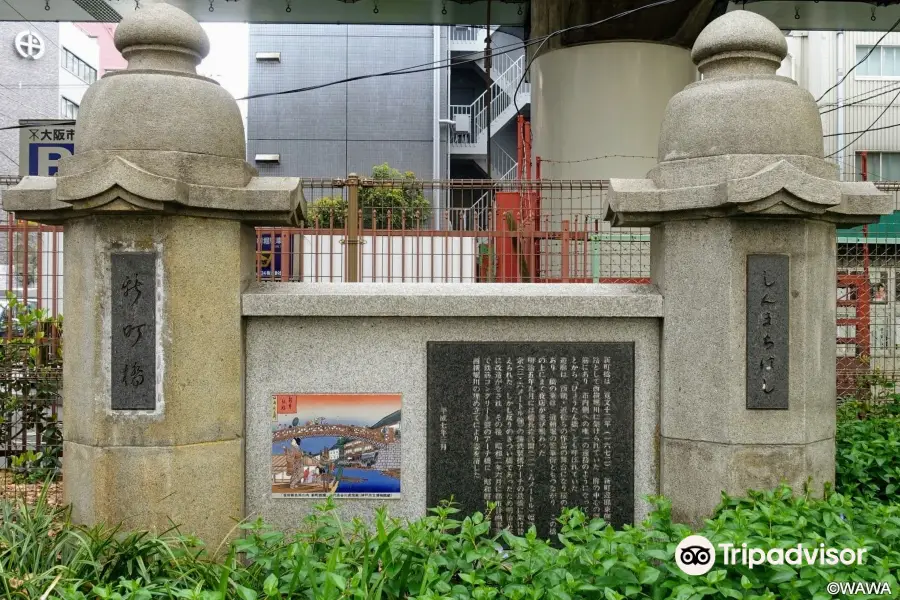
(603, 99)
(602, 90)
(158, 206)
(743, 212)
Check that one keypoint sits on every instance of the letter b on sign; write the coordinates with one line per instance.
(44, 158)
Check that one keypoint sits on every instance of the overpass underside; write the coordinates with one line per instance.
(671, 24)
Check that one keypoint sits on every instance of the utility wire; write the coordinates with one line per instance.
(865, 93)
(422, 68)
(49, 123)
(861, 61)
(869, 128)
(436, 65)
(624, 13)
(8, 158)
(593, 158)
(863, 130)
(860, 101)
(431, 66)
(869, 172)
(29, 22)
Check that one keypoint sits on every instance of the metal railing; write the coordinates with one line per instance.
(501, 107)
(503, 166)
(489, 230)
(460, 33)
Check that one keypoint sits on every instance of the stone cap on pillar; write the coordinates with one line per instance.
(742, 142)
(158, 138)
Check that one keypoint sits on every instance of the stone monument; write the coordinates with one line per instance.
(158, 206)
(743, 207)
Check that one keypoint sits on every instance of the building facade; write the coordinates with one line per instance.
(79, 67)
(30, 63)
(46, 69)
(434, 123)
(104, 33)
(855, 76)
(351, 127)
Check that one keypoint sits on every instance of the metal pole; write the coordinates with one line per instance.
(352, 243)
(840, 103)
(490, 86)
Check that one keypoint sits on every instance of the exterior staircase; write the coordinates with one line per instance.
(507, 72)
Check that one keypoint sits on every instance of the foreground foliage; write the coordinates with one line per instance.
(30, 382)
(440, 557)
(867, 460)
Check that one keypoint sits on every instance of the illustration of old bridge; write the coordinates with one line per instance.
(375, 436)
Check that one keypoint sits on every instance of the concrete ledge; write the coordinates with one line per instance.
(451, 300)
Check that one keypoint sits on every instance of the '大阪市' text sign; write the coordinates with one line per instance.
(536, 427)
(42, 145)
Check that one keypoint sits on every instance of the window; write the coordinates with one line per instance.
(880, 166)
(78, 67)
(883, 62)
(69, 109)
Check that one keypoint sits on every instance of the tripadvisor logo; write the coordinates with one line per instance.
(695, 555)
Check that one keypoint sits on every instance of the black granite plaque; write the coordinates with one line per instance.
(768, 343)
(133, 330)
(535, 427)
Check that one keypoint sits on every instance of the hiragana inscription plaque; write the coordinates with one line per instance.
(768, 343)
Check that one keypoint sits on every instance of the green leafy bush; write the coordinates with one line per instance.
(867, 461)
(30, 379)
(388, 200)
(868, 458)
(442, 557)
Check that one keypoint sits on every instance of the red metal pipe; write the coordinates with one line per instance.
(520, 148)
(528, 150)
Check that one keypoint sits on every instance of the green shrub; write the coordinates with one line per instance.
(439, 557)
(30, 379)
(388, 200)
(867, 463)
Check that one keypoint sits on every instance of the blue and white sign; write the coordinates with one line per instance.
(270, 259)
(42, 145)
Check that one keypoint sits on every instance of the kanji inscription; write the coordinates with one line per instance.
(534, 427)
(768, 341)
(133, 332)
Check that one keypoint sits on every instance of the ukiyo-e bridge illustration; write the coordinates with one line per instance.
(378, 438)
(355, 452)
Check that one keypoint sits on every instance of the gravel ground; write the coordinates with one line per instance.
(9, 490)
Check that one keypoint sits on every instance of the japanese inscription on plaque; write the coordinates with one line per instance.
(768, 293)
(133, 327)
(534, 427)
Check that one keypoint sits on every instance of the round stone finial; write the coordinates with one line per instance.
(161, 25)
(741, 106)
(740, 32)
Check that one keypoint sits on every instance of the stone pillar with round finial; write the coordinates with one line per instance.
(158, 206)
(743, 208)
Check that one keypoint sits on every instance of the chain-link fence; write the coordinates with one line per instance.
(475, 231)
(30, 357)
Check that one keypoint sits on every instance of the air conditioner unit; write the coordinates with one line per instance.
(268, 158)
(462, 123)
(268, 57)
